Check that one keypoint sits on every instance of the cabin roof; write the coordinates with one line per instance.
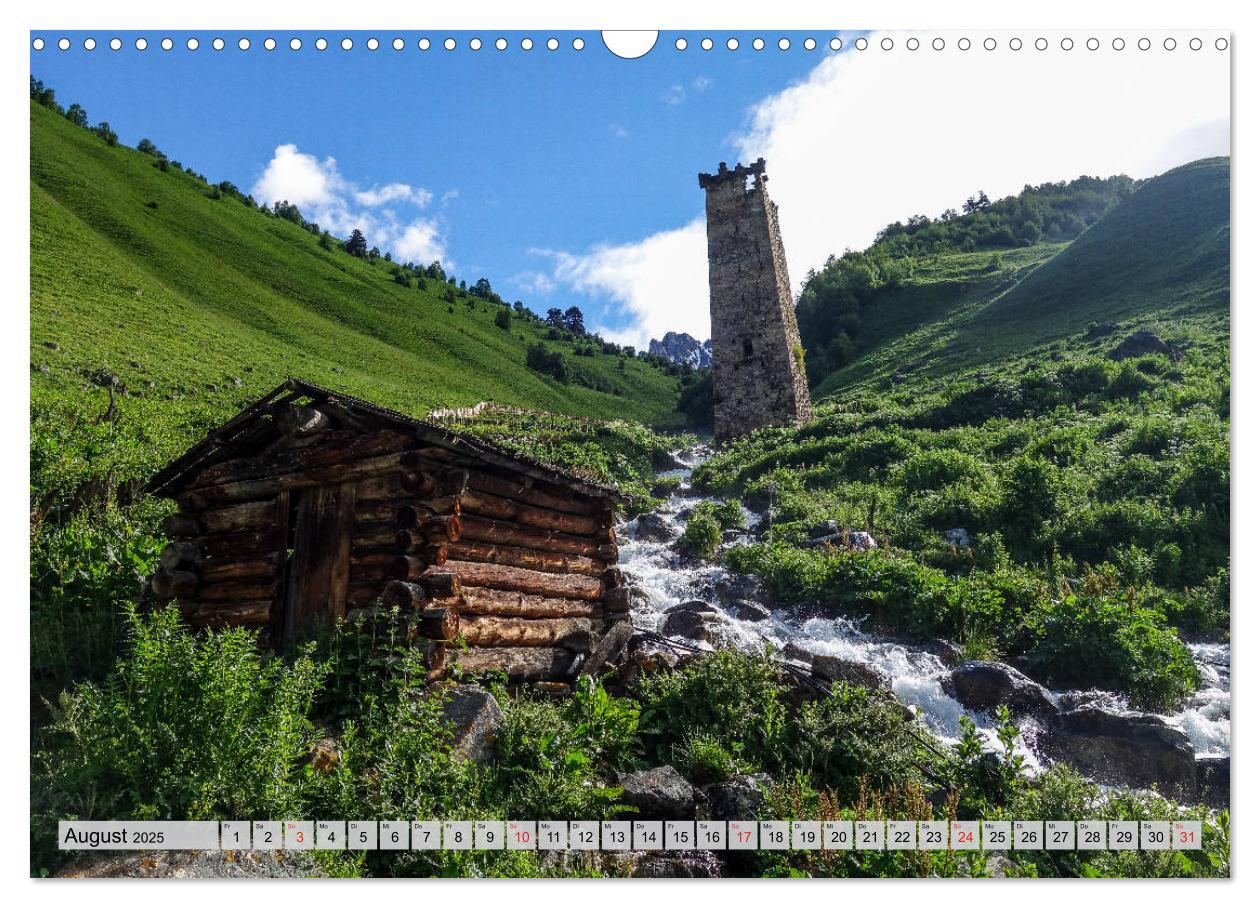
(253, 427)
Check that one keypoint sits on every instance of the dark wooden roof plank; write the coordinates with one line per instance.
(235, 437)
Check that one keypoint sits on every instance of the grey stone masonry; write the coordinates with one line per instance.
(758, 361)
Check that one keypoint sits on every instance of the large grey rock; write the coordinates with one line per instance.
(607, 654)
(833, 668)
(660, 793)
(678, 865)
(825, 528)
(958, 537)
(735, 799)
(1213, 781)
(653, 528)
(988, 685)
(475, 718)
(736, 587)
(1140, 343)
(861, 541)
(950, 654)
(747, 610)
(693, 625)
(1125, 749)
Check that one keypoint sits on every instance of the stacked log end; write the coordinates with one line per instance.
(527, 574)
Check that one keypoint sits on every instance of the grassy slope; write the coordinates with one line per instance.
(1158, 259)
(199, 291)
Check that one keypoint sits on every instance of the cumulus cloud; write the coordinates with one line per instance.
(532, 282)
(653, 282)
(701, 83)
(870, 137)
(300, 178)
(394, 192)
(337, 204)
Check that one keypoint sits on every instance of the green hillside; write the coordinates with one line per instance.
(1157, 257)
(1042, 495)
(179, 290)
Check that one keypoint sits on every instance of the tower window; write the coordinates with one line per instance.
(748, 350)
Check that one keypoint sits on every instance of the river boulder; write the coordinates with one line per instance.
(748, 587)
(747, 610)
(653, 528)
(1130, 749)
(987, 685)
(660, 793)
(848, 671)
(950, 654)
(1213, 779)
(695, 620)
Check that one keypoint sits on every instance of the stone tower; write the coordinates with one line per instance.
(758, 361)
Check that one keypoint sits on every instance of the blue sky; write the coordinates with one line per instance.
(570, 177)
(518, 152)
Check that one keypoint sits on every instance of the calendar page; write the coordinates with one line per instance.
(711, 452)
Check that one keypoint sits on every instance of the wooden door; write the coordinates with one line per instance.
(321, 520)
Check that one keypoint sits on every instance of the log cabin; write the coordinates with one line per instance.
(310, 506)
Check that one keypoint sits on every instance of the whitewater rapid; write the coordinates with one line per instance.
(663, 580)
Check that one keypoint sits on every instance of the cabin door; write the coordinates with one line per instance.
(318, 568)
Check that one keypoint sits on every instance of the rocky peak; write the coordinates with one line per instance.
(683, 349)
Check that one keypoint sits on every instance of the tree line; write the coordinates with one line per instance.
(832, 300)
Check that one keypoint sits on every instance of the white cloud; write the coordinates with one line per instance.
(337, 204)
(300, 178)
(870, 137)
(532, 282)
(874, 137)
(618, 131)
(674, 95)
(654, 282)
(394, 192)
(701, 83)
(419, 242)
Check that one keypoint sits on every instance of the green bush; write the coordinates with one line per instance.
(81, 573)
(183, 728)
(552, 755)
(703, 534)
(731, 699)
(1100, 641)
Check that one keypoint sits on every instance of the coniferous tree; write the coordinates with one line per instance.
(357, 244)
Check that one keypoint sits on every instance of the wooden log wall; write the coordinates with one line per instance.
(493, 570)
(528, 574)
(225, 564)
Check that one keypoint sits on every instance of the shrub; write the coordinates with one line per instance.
(732, 700)
(703, 534)
(1100, 641)
(933, 469)
(541, 359)
(183, 728)
(81, 572)
(553, 754)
